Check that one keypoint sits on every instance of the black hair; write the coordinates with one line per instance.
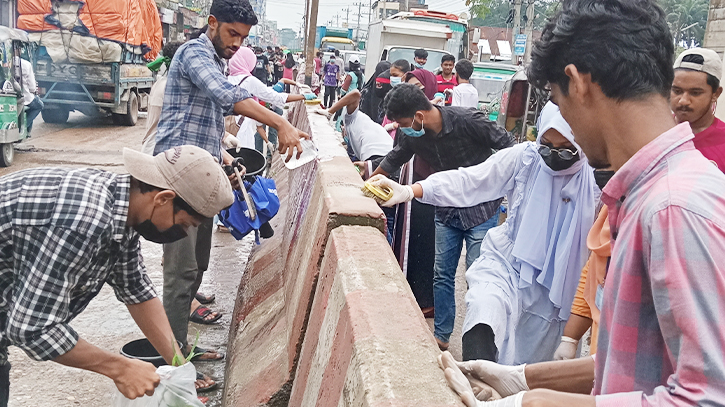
(712, 81)
(196, 34)
(404, 100)
(170, 48)
(319, 54)
(258, 49)
(464, 69)
(233, 11)
(269, 47)
(625, 45)
(421, 53)
(337, 52)
(402, 64)
(448, 57)
(179, 204)
(289, 61)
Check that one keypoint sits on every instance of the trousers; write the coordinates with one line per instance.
(185, 262)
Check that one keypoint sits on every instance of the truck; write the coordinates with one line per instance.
(91, 56)
(457, 43)
(333, 37)
(393, 39)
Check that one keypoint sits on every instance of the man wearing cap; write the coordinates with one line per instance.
(66, 232)
(693, 98)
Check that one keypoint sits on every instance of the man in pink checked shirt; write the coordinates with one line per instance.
(608, 64)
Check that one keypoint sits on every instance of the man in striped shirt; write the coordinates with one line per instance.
(609, 66)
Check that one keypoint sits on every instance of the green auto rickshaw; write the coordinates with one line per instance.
(13, 127)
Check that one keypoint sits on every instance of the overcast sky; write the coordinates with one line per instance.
(289, 13)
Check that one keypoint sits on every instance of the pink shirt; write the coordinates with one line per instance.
(662, 324)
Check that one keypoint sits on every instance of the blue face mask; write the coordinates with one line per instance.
(411, 132)
(419, 66)
(395, 81)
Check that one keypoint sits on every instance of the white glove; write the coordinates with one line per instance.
(567, 349)
(270, 147)
(231, 142)
(506, 380)
(401, 193)
(460, 384)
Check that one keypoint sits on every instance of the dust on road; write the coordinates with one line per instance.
(83, 142)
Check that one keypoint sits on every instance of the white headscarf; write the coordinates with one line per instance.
(551, 242)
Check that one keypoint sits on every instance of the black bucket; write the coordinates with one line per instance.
(254, 161)
(142, 349)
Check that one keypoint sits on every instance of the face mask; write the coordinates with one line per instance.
(555, 162)
(410, 132)
(150, 232)
(395, 81)
(382, 91)
(602, 177)
(419, 66)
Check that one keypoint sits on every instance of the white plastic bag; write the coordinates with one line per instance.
(175, 390)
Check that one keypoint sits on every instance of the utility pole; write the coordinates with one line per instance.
(529, 31)
(516, 31)
(370, 16)
(311, 27)
(347, 17)
(357, 33)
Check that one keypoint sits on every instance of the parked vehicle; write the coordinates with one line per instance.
(337, 38)
(457, 43)
(393, 39)
(13, 127)
(505, 94)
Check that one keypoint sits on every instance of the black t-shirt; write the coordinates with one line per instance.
(261, 71)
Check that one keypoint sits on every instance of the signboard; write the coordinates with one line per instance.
(520, 44)
(167, 15)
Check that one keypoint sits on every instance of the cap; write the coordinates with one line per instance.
(354, 59)
(191, 172)
(711, 62)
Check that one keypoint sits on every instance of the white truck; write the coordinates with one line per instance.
(393, 39)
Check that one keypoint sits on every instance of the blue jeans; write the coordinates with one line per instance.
(32, 111)
(449, 243)
(271, 133)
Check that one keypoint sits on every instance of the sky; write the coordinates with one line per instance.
(290, 13)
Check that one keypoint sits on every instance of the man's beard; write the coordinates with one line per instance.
(219, 47)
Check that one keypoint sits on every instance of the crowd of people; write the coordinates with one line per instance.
(614, 214)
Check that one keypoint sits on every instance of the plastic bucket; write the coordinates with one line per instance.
(142, 349)
(254, 161)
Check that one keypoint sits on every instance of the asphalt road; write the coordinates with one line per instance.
(96, 142)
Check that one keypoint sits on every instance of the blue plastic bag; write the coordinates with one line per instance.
(236, 218)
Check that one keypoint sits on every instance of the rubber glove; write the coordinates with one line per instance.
(231, 142)
(567, 349)
(270, 147)
(278, 87)
(310, 96)
(439, 95)
(401, 193)
(506, 380)
(461, 385)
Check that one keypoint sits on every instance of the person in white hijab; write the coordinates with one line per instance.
(521, 288)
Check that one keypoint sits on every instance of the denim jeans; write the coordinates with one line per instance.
(32, 111)
(271, 133)
(449, 243)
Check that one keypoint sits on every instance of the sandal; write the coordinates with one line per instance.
(204, 299)
(202, 376)
(201, 312)
(200, 352)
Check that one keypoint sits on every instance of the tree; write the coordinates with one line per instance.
(500, 13)
(687, 20)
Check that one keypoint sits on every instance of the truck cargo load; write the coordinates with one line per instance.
(93, 31)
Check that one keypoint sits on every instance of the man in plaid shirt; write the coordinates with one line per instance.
(66, 232)
(609, 66)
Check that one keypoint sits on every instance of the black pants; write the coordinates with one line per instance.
(329, 95)
(4, 384)
(478, 344)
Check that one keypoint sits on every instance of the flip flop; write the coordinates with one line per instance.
(200, 313)
(200, 376)
(204, 299)
(201, 351)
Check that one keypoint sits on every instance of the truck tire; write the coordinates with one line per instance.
(7, 155)
(131, 116)
(58, 116)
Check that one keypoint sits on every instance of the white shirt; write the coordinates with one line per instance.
(259, 90)
(366, 137)
(28, 78)
(156, 103)
(465, 95)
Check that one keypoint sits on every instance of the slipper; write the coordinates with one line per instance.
(203, 399)
(200, 376)
(205, 299)
(201, 351)
(200, 313)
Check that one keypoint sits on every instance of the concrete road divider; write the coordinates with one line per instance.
(324, 316)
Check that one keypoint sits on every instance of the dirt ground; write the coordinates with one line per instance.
(85, 141)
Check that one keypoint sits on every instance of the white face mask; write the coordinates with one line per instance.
(395, 81)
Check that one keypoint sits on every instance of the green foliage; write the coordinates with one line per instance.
(687, 20)
(499, 13)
